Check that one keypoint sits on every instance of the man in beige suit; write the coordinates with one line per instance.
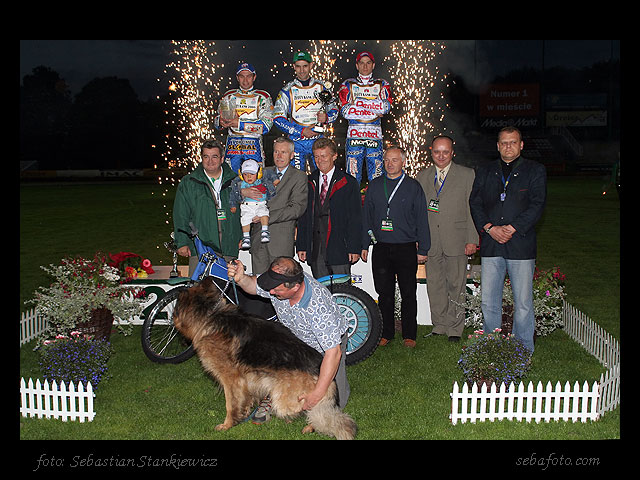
(285, 208)
(447, 187)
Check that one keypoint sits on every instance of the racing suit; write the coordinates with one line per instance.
(363, 100)
(255, 111)
(296, 107)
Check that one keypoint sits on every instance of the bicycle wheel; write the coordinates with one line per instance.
(161, 341)
(363, 318)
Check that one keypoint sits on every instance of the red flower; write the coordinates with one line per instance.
(118, 258)
(146, 266)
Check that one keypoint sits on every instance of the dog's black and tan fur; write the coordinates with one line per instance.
(252, 358)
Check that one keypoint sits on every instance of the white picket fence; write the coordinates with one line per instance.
(542, 403)
(56, 401)
(31, 325)
(548, 403)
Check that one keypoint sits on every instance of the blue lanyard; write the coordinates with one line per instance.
(435, 180)
(503, 195)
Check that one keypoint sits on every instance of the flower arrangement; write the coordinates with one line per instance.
(76, 358)
(548, 295)
(80, 286)
(494, 358)
(131, 265)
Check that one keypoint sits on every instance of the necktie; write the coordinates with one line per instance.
(279, 175)
(323, 189)
(441, 177)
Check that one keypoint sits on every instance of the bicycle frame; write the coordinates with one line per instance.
(210, 264)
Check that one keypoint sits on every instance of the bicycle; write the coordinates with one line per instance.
(162, 343)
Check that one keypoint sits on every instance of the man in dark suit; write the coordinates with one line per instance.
(447, 187)
(329, 231)
(507, 200)
(285, 208)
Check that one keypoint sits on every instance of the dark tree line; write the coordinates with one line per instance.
(104, 126)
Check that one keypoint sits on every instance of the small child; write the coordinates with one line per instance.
(249, 207)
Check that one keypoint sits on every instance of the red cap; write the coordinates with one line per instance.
(365, 54)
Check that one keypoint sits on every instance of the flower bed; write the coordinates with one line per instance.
(77, 358)
(494, 358)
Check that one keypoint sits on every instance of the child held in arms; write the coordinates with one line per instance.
(252, 176)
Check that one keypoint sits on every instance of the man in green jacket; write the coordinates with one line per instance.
(203, 199)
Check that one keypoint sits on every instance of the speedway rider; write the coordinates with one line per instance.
(297, 110)
(251, 117)
(364, 100)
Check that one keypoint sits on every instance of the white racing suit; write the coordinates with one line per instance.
(296, 107)
(255, 111)
(363, 101)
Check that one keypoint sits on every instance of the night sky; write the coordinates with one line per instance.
(142, 62)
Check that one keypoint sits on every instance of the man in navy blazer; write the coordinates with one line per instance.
(506, 202)
(329, 230)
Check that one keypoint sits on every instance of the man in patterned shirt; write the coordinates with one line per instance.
(307, 308)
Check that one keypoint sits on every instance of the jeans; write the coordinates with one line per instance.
(521, 277)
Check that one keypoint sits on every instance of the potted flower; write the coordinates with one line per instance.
(548, 296)
(494, 358)
(76, 358)
(86, 295)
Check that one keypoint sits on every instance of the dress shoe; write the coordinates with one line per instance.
(383, 342)
(409, 343)
(454, 339)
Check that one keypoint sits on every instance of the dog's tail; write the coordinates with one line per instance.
(328, 419)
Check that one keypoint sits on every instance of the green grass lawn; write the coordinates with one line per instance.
(397, 393)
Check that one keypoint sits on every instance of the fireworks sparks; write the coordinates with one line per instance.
(194, 88)
(194, 91)
(417, 84)
(419, 108)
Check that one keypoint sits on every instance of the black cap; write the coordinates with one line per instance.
(271, 279)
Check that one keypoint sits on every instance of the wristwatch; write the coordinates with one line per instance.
(486, 230)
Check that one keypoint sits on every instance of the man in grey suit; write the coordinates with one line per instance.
(447, 187)
(285, 208)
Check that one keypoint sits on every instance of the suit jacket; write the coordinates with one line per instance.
(344, 217)
(285, 208)
(452, 227)
(522, 207)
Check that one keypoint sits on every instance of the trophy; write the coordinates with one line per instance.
(325, 97)
(227, 108)
(171, 246)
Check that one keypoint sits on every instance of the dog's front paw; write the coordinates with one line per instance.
(308, 429)
(222, 427)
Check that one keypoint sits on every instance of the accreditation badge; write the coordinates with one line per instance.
(434, 206)
(222, 215)
(387, 225)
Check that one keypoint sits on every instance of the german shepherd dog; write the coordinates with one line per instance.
(251, 358)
